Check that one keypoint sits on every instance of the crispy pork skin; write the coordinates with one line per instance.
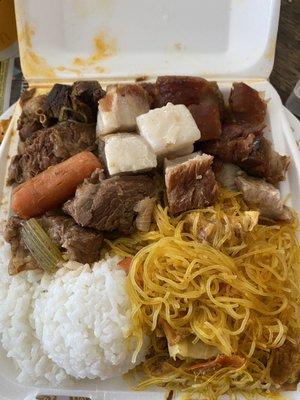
(190, 184)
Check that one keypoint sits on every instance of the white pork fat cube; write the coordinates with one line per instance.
(169, 128)
(117, 111)
(128, 152)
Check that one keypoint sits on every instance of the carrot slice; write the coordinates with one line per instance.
(54, 186)
(125, 264)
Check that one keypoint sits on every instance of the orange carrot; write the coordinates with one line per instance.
(54, 186)
(125, 264)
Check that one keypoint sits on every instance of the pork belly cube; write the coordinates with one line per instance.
(190, 184)
(263, 196)
(246, 104)
(168, 129)
(207, 117)
(127, 152)
(118, 110)
(203, 98)
(243, 144)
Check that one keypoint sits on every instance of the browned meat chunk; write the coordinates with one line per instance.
(151, 90)
(77, 102)
(64, 102)
(263, 196)
(28, 129)
(50, 146)
(80, 244)
(207, 117)
(108, 204)
(57, 100)
(236, 142)
(21, 258)
(185, 90)
(84, 98)
(191, 184)
(285, 367)
(203, 98)
(265, 162)
(243, 144)
(27, 95)
(246, 104)
(33, 116)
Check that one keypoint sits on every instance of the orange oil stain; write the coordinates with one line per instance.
(71, 70)
(101, 70)
(178, 47)
(33, 65)
(104, 47)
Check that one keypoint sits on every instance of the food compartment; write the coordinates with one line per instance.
(283, 142)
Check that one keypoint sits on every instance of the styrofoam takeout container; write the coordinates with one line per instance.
(115, 40)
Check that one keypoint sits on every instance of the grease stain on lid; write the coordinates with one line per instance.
(66, 69)
(104, 48)
(178, 47)
(33, 65)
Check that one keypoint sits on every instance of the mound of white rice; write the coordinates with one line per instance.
(74, 323)
(16, 328)
(82, 319)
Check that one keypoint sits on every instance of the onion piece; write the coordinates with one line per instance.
(144, 208)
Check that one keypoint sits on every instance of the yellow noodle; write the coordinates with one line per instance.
(238, 291)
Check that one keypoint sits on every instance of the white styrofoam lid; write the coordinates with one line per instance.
(104, 39)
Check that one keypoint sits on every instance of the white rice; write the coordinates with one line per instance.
(73, 323)
(82, 320)
(17, 332)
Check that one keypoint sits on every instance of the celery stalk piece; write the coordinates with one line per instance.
(43, 250)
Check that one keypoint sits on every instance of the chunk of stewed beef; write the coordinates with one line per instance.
(32, 117)
(77, 102)
(109, 204)
(78, 243)
(57, 100)
(50, 146)
(85, 96)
